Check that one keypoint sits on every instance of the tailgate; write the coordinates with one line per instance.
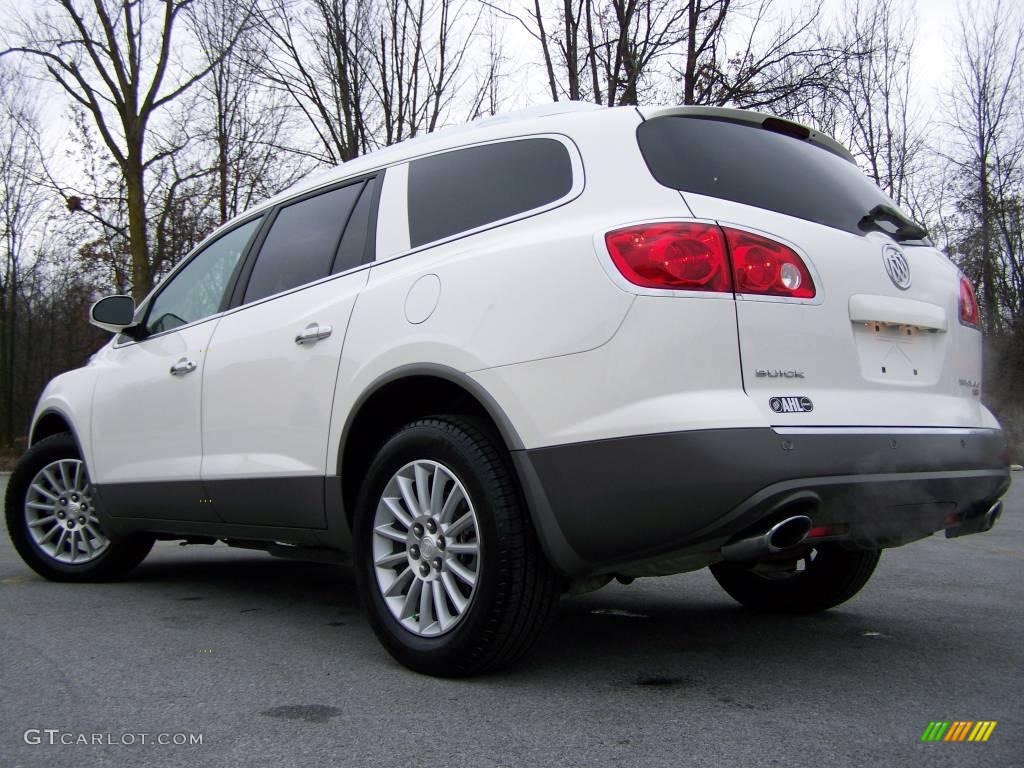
(864, 351)
(879, 341)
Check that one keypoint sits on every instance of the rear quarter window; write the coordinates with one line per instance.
(461, 190)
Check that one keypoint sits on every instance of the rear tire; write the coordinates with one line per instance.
(448, 566)
(51, 518)
(832, 576)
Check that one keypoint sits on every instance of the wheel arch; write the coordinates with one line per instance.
(403, 394)
(52, 422)
(413, 391)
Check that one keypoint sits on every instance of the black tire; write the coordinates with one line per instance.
(833, 576)
(516, 591)
(121, 554)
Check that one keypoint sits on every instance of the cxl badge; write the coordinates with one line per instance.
(798, 404)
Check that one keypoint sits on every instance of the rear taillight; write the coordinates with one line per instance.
(680, 256)
(768, 268)
(969, 314)
(694, 256)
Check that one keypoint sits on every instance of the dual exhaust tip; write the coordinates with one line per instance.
(785, 534)
(792, 531)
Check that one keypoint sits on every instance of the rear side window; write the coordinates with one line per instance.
(355, 241)
(748, 164)
(302, 242)
(457, 191)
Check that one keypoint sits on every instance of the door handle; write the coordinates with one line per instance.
(313, 332)
(182, 367)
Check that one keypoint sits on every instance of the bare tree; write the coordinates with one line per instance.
(638, 33)
(756, 54)
(873, 89)
(315, 56)
(367, 73)
(244, 123)
(419, 51)
(488, 98)
(605, 51)
(759, 54)
(20, 221)
(96, 204)
(113, 60)
(986, 104)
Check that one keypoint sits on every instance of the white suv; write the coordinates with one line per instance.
(527, 356)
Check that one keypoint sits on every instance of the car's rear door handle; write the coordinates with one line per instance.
(182, 367)
(313, 332)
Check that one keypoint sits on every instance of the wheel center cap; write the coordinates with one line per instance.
(428, 549)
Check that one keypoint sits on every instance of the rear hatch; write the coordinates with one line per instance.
(882, 341)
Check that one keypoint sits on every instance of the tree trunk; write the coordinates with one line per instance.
(988, 279)
(142, 269)
(572, 50)
(545, 49)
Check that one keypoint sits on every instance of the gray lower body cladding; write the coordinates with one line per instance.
(627, 500)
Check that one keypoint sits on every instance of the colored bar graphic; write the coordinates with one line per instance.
(954, 730)
(958, 730)
(935, 730)
(982, 730)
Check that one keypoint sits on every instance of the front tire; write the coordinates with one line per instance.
(52, 521)
(827, 576)
(448, 565)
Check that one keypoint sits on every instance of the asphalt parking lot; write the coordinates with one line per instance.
(273, 663)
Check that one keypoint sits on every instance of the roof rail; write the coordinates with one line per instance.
(539, 110)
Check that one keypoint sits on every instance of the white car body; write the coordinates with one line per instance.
(641, 430)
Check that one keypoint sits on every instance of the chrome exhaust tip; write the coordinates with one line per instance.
(976, 523)
(993, 514)
(785, 534)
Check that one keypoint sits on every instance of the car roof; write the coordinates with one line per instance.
(537, 119)
(544, 118)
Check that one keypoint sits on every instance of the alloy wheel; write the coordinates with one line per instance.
(426, 548)
(60, 514)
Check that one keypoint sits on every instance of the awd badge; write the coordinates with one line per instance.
(797, 404)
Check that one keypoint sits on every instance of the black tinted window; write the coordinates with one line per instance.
(751, 165)
(457, 191)
(302, 242)
(353, 250)
(197, 289)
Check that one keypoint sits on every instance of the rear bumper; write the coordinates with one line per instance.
(601, 504)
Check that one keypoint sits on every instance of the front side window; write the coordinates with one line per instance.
(458, 191)
(302, 242)
(197, 289)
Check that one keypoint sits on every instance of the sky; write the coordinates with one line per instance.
(936, 41)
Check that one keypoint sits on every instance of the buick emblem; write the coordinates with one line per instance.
(897, 267)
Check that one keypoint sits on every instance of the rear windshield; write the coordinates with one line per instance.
(749, 164)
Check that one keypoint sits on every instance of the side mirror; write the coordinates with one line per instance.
(113, 313)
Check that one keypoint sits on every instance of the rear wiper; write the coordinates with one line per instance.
(892, 221)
